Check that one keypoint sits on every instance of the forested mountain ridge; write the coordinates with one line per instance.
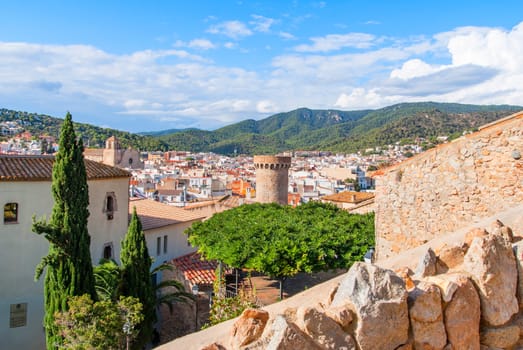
(303, 128)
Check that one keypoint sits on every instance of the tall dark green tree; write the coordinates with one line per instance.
(136, 277)
(69, 268)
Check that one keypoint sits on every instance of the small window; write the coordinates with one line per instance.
(110, 205)
(130, 161)
(11, 213)
(108, 251)
(158, 245)
(165, 244)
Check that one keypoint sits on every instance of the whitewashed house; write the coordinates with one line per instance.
(25, 192)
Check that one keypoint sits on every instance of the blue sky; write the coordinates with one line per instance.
(155, 65)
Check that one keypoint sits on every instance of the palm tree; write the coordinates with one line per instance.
(174, 293)
(108, 277)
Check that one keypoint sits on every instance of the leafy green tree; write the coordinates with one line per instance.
(282, 241)
(99, 325)
(69, 269)
(136, 277)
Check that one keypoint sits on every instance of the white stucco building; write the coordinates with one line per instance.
(25, 191)
(164, 227)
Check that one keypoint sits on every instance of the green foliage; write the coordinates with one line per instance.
(98, 325)
(224, 308)
(281, 240)
(136, 277)
(169, 291)
(92, 136)
(108, 277)
(69, 269)
(301, 129)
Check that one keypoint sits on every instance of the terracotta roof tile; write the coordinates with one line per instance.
(154, 214)
(349, 197)
(195, 269)
(40, 168)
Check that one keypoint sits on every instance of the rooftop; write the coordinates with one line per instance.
(154, 214)
(196, 270)
(40, 168)
(349, 197)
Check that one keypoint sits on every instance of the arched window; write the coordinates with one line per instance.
(11, 213)
(110, 205)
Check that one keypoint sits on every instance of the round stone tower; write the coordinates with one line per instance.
(272, 178)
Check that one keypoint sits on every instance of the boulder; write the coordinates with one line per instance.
(426, 317)
(284, 335)
(213, 346)
(379, 300)
(475, 232)
(341, 314)
(427, 264)
(324, 330)
(518, 253)
(498, 228)
(446, 285)
(501, 337)
(462, 314)
(248, 327)
(491, 264)
(450, 257)
(406, 274)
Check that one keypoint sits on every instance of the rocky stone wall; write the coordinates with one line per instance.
(466, 296)
(450, 187)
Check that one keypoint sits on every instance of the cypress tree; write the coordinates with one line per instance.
(69, 268)
(136, 277)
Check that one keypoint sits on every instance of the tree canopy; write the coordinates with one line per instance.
(281, 240)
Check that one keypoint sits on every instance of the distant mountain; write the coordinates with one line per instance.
(339, 131)
(301, 129)
(163, 132)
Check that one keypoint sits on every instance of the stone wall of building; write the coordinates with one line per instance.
(450, 187)
(272, 179)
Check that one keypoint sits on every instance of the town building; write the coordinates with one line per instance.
(25, 193)
(114, 155)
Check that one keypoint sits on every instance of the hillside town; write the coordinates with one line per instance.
(186, 179)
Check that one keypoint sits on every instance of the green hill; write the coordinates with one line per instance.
(301, 129)
(340, 131)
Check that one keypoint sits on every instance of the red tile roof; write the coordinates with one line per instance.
(349, 197)
(154, 214)
(40, 168)
(196, 270)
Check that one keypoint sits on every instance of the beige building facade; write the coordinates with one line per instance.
(25, 191)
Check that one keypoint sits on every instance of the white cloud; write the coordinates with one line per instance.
(266, 106)
(202, 44)
(414, 68)
(359, 98)
(262, 24)
(286, 36)
(180, 89)
(232, 29)
(333, 42)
